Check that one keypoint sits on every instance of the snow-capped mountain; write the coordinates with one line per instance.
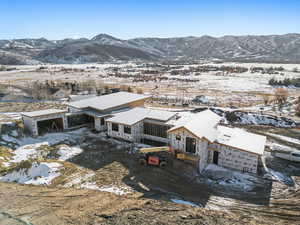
(103, 47)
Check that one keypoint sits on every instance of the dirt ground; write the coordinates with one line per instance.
(45, 206)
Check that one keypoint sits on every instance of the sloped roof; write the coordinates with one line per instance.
(104, 102)
(241, 139)
(202, 124)
(137, 114)
(43, 112)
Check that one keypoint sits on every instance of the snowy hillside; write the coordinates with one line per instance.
(103, 48)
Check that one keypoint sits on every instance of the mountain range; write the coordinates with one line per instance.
(105, 48)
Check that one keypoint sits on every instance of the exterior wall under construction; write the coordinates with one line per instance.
(31, 123)
(122, 131)
(232, 158)
(179, 142)
(138, 132)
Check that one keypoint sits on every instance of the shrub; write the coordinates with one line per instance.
(298, 110)
(286, 82)
(25, 164)
(281, 95)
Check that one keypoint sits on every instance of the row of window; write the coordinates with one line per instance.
(115, 127)
(149, 129)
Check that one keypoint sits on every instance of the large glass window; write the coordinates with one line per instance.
(155, 130)
(190, 145)
(102, 121)
(79, 119)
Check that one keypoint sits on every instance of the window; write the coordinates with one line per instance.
(155, 130)
(245, 169)
(178, 137)
(127, 129)
(102, 121)
(190, 145)
(115, 127)
(79, 119)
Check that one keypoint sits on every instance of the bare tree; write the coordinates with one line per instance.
(266, 99)
(281, 95)
(140, 91)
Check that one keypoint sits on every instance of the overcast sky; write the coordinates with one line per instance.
(58, 19)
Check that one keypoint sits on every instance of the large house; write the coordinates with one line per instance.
(122, 115)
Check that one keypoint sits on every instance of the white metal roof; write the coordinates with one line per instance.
(74, 98)
(43, 112)
(202, 124)
(104, 102)
(137, 114)
(241, 139)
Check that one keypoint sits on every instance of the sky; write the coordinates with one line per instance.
(125, 19)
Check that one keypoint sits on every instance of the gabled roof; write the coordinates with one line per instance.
(240, 139)
(137, 114)
(43, 112)
(109, 101)
(202, 125)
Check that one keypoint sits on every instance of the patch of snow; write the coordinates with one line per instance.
(229, 178)
(38, 174)
(260, 119)
(279, 177)
(79, 179)
(219, 203)
(26, 152)
(14, 133)
(115, 190)
(28, 147)
(179, 201)
(276, 146)
(8, 138)
(12, 115)
(285, 138)
(108, 188)
(67, 152)
(214, 167)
